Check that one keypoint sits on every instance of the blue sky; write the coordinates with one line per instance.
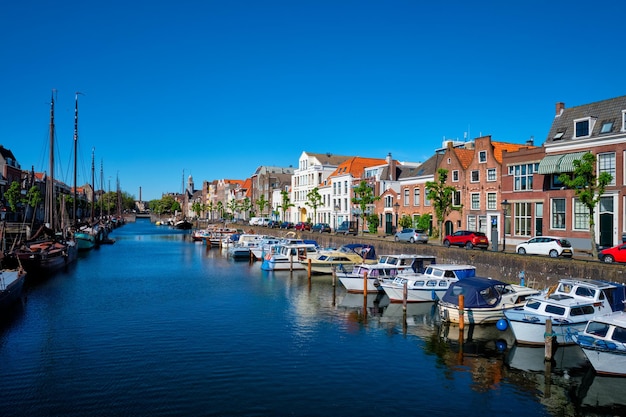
(217, 88)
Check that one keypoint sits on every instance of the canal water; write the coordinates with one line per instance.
(157, 325)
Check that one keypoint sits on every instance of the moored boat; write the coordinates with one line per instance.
(344, 258)
(11, 284)
(428, 286)
(603, 341)
(569, 306)
(290, 256)
(485, 300)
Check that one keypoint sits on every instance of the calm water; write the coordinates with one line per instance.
(156, 325)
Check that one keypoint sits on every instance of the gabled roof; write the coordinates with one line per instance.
(6, 153)
(328, 158)
(425, 169)
(356, 165)
(465, 156)
(602, 111)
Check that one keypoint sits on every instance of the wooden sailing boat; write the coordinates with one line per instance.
(48, 250)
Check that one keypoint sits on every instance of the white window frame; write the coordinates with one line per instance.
(590, 121)
(416, 196)
(610, 167)
(561, 225)
(455, 175)
(475, 201)
(472, 172)
(580, 217)
(482, 157)
(492, 175)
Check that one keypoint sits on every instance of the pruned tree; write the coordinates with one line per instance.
(441, 196)
(262, 203)
(285, 203)
(363, 197)
(314, 200)
(588, 188)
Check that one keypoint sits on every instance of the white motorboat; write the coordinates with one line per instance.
(342, 259)
(603, 341)
(485, 300)
(387, 268)
(569, 306)
(289, 257)
(426, 287)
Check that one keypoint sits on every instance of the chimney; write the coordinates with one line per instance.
(391, 166)
(560, 106)
(531, 141)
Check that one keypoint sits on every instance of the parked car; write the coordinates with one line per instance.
(347, 228)
(467, 238)
(302, 226)
(411, 236)
(286, 225)
(546, 245)
(321, 228)
(273, 224)
(614, 254)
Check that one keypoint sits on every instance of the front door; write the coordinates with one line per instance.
(606, 222)
(388, 223)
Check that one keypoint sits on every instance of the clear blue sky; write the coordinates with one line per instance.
(218, 88)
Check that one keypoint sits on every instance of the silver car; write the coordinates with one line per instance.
(411, 236)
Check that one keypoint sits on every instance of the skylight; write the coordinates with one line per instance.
(606, 127)
(559, 135)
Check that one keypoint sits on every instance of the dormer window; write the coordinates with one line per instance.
(623, 120)
(583, 127)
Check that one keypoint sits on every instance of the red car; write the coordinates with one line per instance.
(614, 254)
(467, 239)
(303, 226)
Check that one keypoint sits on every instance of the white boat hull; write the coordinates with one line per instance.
(355, 284)
(450, 313)
(396, 294)
(534, 332)
(607, 362)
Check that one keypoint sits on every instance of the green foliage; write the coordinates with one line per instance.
(363, 197)
(372, 222)
(286, 203)
(13, 195)
(314, 200)
(262, 203)
(423, 222)
(441, 196)
(588, 188)
(405, 221)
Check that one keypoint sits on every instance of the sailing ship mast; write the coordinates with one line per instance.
(93, 184)
(49, 214)
(75, 155)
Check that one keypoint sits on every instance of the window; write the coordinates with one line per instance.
(559, 135)
(456, 198)
(491, 174)
(607, 127)
(455, 176)
(406, 197)
(623, 120)
(388, 201)
(475, 201)
(491, 201)
(416, 196)
(583, 127)
(482, 156)
(345, 187)
(426, 200)
(475, 176)
(522, 219)
(606, 163)
(523, 176)
(581, 216)
(558, 213)
(471, 222)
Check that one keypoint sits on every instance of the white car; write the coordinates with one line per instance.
(546, 245)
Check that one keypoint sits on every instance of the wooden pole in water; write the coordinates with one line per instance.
(461, 312)
(291, 262)
(332, 268)
(365, 284)
(309, 267)
(549, 339)
(405, 296)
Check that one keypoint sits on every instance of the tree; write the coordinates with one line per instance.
(406, 222)
(13, 195)
(441, 196)
(285, 203)
(372, 222)
(33, 199)
(423, 222)
(197, 208)
(246, 206)
(364, 196)
(262, 203)
(314, 200)
(588, 188)
(233, 206)
(220, 209)
(209, 207)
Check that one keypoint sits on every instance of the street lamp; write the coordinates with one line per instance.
(505, 210)
(396, 208)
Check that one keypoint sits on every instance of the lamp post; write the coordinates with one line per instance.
(396, 208)
(505, 210)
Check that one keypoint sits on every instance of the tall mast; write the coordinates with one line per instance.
(102, 187)
(50, 183)
(75, 155)
(93, 183)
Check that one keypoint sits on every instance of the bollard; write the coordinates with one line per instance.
(549, 339)
(405, 296)
(461, 311)
(365, 284)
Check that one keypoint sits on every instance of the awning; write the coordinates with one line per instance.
(558, 164)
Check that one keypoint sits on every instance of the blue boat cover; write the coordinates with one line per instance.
(367, 252)
(478, 292)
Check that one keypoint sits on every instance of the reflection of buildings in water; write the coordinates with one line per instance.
(599, 394)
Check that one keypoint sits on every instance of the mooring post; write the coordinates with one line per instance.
(365, 284)
(461, 312)
(549, 339)
(405, 296)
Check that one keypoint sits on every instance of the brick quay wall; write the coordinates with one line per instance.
(539, 271)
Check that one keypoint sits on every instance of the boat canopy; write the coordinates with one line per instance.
(478, 292)
(365, 251)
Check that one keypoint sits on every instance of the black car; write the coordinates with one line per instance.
(273, 224)
(286, 225)
(321, 228)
